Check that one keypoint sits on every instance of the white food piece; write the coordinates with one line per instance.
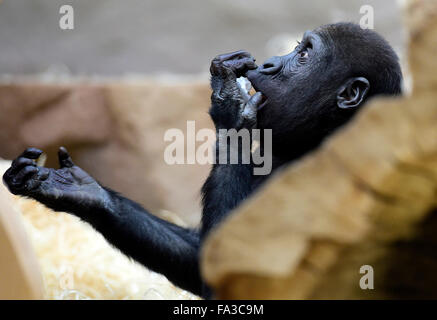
(244, 86)
(41, 161)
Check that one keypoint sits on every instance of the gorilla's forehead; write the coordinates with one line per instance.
(342, 40)
(315, 38)
(337, 28)
(347, 34)
(338, 32)
(311, 35)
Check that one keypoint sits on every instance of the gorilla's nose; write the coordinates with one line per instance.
(271, 65)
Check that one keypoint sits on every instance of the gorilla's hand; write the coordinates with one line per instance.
(231, 106)
(64, 189)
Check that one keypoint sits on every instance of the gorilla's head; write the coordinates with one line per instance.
(322, 82)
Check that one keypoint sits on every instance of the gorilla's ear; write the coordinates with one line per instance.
(352, 93)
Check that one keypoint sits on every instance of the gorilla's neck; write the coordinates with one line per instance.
(288, 146)
(285, 152)
(288, 150)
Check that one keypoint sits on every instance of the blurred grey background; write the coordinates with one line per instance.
(114, 37)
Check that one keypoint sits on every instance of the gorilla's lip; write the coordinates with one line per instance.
(253, 76)
(264, 102)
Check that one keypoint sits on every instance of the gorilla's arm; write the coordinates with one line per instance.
(226, 186)
(156, 243)
(231, 108)
(160, 245)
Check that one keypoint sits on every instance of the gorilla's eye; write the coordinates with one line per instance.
(303, 54)
(302, 50)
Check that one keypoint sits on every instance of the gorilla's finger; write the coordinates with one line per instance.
(251, 64)
(238, 62)
(253, 104)
(64, 158)
(7, 177)
(240, 67)
(32, 184)
(214, 68)
(42, 174)
(31, 153)
(233, 55)
(24, 174)
(19, 163)
(250, 110)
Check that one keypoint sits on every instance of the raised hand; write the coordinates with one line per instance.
(232, 106)
(64, 189)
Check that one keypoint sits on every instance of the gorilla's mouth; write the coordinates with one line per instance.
(247, 90)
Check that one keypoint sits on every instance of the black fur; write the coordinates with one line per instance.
(304, 96)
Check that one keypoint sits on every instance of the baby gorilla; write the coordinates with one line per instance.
(302, 97)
